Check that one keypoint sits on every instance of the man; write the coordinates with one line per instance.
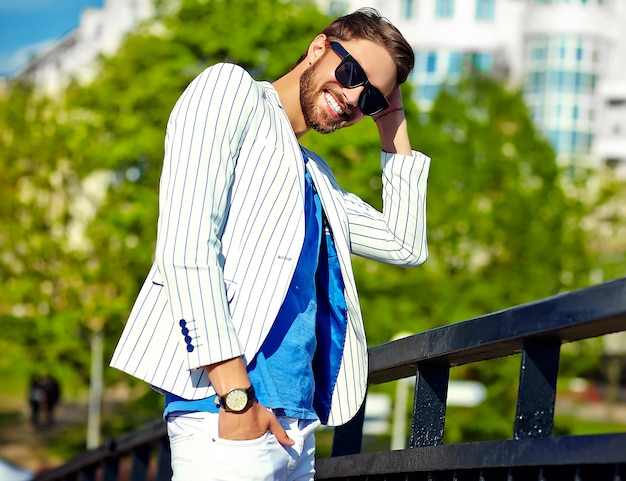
(251, 302)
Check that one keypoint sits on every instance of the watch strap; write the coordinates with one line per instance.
(250, 393)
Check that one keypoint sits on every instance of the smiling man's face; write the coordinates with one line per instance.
(326, 104)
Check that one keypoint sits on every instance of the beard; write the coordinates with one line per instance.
(314, 116)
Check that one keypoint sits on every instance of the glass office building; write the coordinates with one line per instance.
(559, 86)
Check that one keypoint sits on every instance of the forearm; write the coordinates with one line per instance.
(393, 131)
(227, 375)
(398, 234)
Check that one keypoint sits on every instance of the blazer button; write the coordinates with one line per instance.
(185, 332)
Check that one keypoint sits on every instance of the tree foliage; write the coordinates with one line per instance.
(44, 294)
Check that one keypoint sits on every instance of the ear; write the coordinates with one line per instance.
(317, 48)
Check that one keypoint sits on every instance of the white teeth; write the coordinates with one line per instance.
(333, 104)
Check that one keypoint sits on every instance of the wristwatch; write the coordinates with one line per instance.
(236, 400)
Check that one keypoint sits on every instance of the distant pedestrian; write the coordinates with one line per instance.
(52, 392)
(44, 395)
(36, 397)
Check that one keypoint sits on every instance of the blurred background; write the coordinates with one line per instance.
(520, 103)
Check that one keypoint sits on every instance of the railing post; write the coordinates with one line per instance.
(110, 468)
(141, 459)
(348, 438)
(429, 405)
(537, 389)
(164, 463)
(88, 473)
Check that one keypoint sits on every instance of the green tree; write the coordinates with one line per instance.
(43, 306)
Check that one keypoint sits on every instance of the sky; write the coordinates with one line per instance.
(28, 26)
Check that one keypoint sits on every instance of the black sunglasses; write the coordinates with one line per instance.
(351, 75)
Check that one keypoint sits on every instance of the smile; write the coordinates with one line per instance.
(333, 104)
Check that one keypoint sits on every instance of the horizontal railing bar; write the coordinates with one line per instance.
(558, 451)
(112, 448)
(146, 435)
(589, 312)
(74, 465)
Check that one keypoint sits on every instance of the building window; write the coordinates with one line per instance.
(337, 8)
(535, 82)
(483, 61)
(431, 62)
(485, 9)
(553, 138)
(408, 8)
(579, 54)
(539, 53)
(444, 8)
(428, 93)
(575, 137)
(455, 62)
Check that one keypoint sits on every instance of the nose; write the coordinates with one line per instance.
(352, 95)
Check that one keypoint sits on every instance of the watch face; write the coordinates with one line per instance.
(236, 400)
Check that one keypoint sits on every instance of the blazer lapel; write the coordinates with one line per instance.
(351, 384)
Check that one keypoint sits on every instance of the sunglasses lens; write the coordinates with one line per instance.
(350, 74)
(372, 101)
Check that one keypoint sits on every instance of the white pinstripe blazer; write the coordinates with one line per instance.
(230, 232)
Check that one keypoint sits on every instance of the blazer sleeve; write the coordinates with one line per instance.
(203, 139)
(397, 235)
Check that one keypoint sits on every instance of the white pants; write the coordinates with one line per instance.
(198, 454)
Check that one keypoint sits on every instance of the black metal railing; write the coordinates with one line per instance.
(536, 330)
(139, 456)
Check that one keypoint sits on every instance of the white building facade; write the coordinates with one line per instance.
(100, 32)
(569, 56)
(574, 79)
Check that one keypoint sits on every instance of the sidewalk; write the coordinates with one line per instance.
(25, 446)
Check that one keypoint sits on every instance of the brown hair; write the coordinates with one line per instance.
(368, 24)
